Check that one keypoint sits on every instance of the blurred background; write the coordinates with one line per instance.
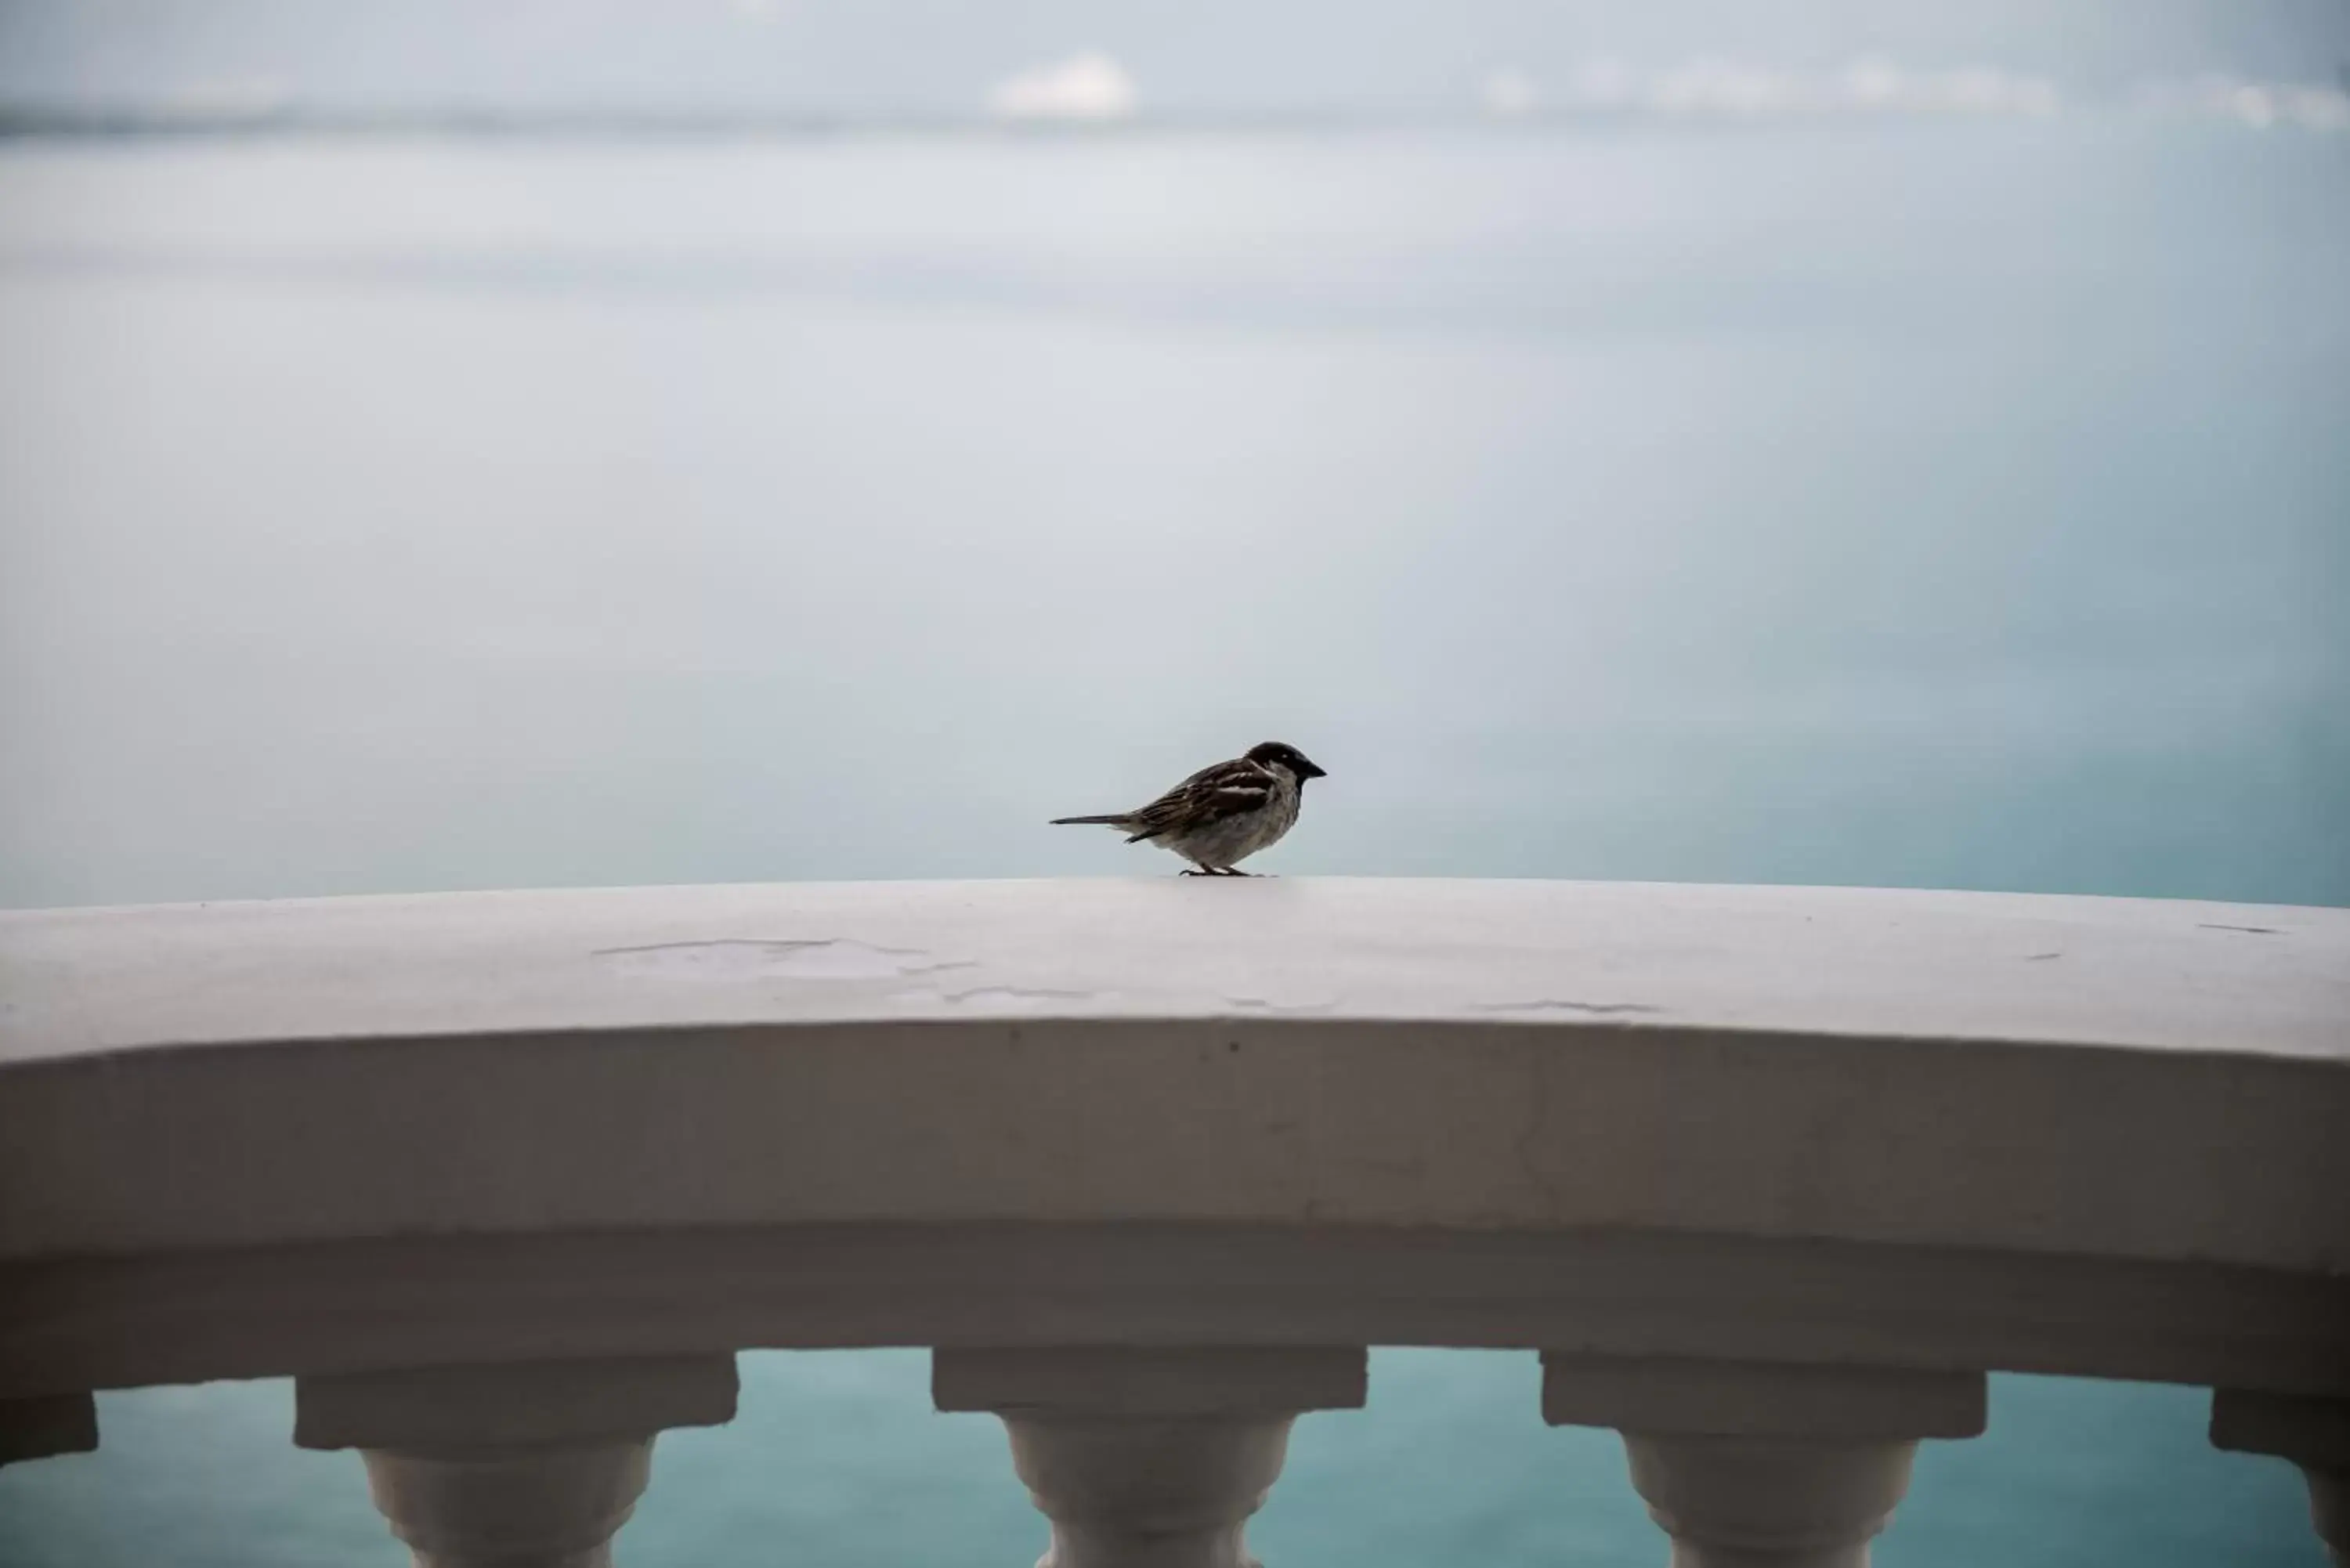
(472, 444)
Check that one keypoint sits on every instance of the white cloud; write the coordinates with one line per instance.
(1719, 88)
(1509, 94)
(231, 97)
(1089, 87)
(1873, 82)
(1604, 82)
(1979, 91)
(2318, 109)
(1871, 85)
(1733, 88)
(2257, 105)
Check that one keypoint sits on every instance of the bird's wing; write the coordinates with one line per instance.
(1225, 789)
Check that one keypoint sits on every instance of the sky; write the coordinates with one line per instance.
(882, 58)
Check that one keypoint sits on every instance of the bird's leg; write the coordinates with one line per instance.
(1195, 871)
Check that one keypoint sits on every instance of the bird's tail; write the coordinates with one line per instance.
(1114, 819)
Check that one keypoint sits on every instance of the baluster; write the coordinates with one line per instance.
(514, 1466)
(1148, 1458)
(2313, 1433)
(1751, 1465)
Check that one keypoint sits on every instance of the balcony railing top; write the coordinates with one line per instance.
(1898, 964)
(1647, 1118)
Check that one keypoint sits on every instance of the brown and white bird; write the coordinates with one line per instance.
(1221, 814)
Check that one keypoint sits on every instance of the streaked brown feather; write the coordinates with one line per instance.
(1210, 796)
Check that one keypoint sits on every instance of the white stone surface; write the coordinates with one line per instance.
(2098, 1078)
(2142, 974)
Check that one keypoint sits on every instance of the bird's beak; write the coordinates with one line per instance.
(1315, 772)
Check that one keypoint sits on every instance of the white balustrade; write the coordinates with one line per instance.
(1775, 1174)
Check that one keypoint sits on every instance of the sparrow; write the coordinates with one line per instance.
(1221, 814)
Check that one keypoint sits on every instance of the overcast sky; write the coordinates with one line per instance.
(882, 58)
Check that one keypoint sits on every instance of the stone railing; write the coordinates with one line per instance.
(1770, 1176)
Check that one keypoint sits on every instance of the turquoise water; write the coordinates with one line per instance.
(1934, 505)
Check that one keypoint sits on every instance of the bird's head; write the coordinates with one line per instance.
(1281, 755)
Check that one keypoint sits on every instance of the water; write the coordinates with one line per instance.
(1952, 505)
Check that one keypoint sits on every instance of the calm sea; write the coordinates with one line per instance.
(1957, 505)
